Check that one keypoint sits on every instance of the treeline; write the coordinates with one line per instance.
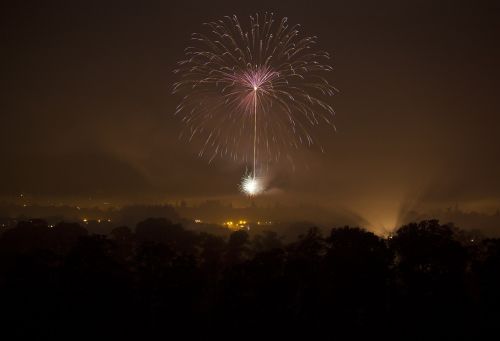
(426, 281)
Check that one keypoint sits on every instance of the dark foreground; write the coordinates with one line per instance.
(428, 281)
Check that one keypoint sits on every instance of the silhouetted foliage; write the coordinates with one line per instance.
(425, 280)
(430, 269)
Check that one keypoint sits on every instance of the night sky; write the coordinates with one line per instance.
(87, 110)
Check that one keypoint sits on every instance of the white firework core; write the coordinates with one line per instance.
(251, 186)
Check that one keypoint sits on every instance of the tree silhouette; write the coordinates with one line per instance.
(427, 280)
(237, 248)
(430, 269)
(356, 275)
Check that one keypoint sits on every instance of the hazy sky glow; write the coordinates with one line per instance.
(87, 109)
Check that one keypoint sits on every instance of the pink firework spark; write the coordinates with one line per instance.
(253, 92)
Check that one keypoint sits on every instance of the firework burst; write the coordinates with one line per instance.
(253, 93)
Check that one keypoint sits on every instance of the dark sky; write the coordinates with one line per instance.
(86, 109)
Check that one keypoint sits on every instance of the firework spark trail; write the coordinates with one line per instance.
(255, 132)
(232, 73)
